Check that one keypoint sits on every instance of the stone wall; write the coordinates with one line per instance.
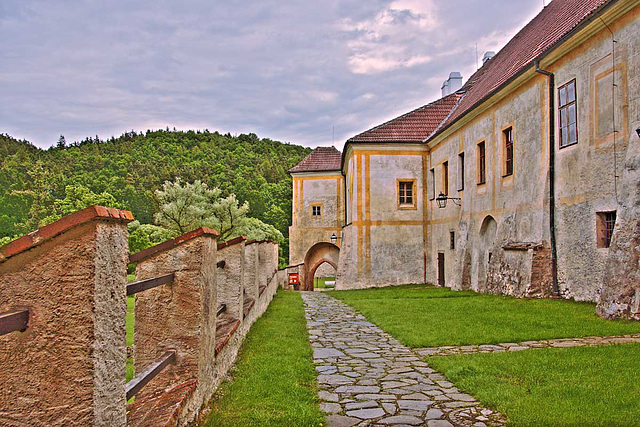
(68, 367)
(231, 276)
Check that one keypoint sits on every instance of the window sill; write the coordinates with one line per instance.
(407, 207)
(560, 147)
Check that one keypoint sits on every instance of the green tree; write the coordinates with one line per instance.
(183, 208)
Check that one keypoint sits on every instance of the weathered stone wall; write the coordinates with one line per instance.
(179, 316)
(620, 296)
(384, 243)
(230, 277)
(68, 367)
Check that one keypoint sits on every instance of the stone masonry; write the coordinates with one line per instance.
(367, 378)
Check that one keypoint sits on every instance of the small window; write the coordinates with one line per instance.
(445, 178)
(605, 222)
(452, 240)
(461, 171)
(507, 137)
(432, 184)
(482, 163)
(567, 109)
(316, 211)
(406, 196)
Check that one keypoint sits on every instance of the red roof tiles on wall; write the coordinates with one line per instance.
(414, 126)
(320, 159)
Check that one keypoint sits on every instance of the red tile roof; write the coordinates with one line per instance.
(320, 159)
(542, 33)
(414, 126)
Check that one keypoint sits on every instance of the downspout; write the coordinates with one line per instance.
(552, 180)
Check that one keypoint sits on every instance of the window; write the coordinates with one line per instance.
(568, 114)
(461, 171)
(452, 240)
(605, 222)
(482, 163)
(316, 211)
(507, 137)
(445, 178)
(432, 184)
(406, 196)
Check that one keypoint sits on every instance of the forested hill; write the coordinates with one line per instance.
(134, 165)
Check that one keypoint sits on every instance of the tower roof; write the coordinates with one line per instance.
(320, 159)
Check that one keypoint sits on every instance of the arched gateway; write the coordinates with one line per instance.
(317, 255)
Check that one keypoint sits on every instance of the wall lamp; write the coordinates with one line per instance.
(334, 238)
(441, 200)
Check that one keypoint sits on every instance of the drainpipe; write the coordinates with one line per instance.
(552, 180)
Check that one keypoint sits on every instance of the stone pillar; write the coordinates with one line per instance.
(263, 263)
(68, 367)
(181, 315)
(251, 269)
(231, 276)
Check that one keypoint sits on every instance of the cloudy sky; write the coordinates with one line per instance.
(286, 70)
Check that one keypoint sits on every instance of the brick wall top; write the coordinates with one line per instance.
(231, 242)
(171, 243)
(65, 223)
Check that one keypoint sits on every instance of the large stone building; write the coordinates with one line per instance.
(536, 156)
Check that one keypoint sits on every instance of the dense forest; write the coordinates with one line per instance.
(36, 182)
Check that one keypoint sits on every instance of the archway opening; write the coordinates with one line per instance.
(324, 276)
(487, 239)
(318, 255)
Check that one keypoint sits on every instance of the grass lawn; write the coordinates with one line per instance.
(424, 316)
(129, 325)
(319, 281)
(274, 378)
(581, 386)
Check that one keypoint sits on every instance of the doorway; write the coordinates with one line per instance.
(441, 280)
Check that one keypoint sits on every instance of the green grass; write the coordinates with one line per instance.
(130, 320)
(320, 281)
(423, 316)
(273, 382)
(585, 386)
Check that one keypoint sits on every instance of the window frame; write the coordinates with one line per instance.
(481, 165)
(506, 132)
(565, 107)
(414, 193)
(445, 177)
(605, 227)
(432, 184)
(317, 205)
(452, 240)
(461, 171)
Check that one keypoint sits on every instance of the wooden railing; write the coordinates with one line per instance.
(150, 372)
(14, 321)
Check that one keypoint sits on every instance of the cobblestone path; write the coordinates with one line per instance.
(367, 378)
(525, 345)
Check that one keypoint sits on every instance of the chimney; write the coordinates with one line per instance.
(452, 84)
(487, 56)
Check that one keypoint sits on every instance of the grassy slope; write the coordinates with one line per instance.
(421, 316)
(274, 378)
(595, 386)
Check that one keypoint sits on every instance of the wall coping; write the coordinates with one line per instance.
(58, 227)
(171, 243)
(232, 242)
(252, 241)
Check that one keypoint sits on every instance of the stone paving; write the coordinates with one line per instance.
(367, 378)
(526, 345)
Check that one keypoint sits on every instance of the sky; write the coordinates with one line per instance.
(307, 72)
